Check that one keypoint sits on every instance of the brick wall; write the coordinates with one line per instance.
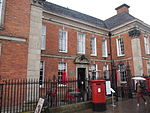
(51, 64)
(16, 20)
(13, 59)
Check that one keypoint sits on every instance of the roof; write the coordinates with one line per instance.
(110, 23)
(118, 20)
(73, 14)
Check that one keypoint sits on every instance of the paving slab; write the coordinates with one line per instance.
(124, 106)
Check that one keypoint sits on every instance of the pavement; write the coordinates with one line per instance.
(124, 106)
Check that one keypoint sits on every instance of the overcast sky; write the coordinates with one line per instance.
(104, 9)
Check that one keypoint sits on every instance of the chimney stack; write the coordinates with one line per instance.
(122, 8)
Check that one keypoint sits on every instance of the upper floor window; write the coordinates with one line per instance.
(146, 45)
(43, 40)
(2, 2)
(63, 37)
(120, 47)
(104, 48)
(93, 46)
(81, 43)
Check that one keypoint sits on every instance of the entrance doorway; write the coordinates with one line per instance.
(81, 81)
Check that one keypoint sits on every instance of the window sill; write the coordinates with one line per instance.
(63, 52)
(121, 55)
(93, 54)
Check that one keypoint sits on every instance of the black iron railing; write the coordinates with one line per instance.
(23, 95)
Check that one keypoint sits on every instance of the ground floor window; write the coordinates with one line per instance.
(106, 71)
(62, 67)
(148, 68)
(122, 73)
(41, 78)
(93, 72)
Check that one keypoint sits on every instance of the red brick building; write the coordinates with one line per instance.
(41, 39)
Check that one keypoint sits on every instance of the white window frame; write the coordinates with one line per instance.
(43, 38)
(148, 68)
(120, 52)
(146, 45)
(61, 67)
(42, 70)
(2, 9)
(122, 74)
(104, 48)
(106, 71)
(94, 70)
(63, 39)
(93, 46)
(80, 43)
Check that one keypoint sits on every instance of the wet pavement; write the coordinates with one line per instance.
(124, 106)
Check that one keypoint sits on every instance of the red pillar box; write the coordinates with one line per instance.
(98, 95)
(148, 84)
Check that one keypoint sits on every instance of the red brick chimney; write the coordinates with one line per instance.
(122, 8)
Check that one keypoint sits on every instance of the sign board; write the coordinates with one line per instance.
(99, 90)
(39, 105)
(108, 86)
(112, 90)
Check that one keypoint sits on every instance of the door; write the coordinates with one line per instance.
(81, 81)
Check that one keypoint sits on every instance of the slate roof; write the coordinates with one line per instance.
(118, 19)
(110, 23)
(73, 14)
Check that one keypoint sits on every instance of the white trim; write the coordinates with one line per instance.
(83, 43)
(95, 46)
(119, 47)
(105, 48)
(148, 63)
(12, 38)
(43, 75)
(66, 43)
(2, 11)
(43, 40)
(146, 45)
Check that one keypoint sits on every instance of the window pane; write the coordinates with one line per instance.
(43, 39)
(41, 78)
(93, 46)
(1, 10)
(104, 48)
(120, 46)
(81, 43)
(147, 45)
(62, 66)
(63, 41)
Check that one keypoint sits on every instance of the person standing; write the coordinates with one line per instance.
(139, 93)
